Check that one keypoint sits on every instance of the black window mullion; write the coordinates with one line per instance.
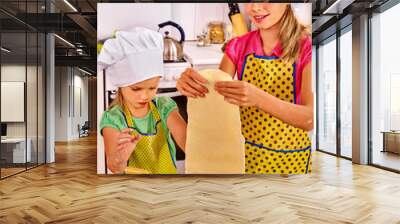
(45, 94)
(369, 81)
(316, 97)
(44, 72)
(37, 90)
(26, 87)
(338, 74)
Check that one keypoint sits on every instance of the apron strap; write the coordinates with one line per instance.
(131, 124)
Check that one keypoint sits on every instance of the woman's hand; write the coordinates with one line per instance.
(240, 93)
(191, 84)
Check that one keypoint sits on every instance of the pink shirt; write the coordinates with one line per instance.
(238, 48)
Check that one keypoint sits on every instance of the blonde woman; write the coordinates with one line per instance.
(273, 90)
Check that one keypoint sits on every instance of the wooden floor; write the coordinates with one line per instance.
(387, 159)
(5, 172)
(10, 171)
(69, 191)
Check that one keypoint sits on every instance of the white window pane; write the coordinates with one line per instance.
(327, 96)
(346, 94)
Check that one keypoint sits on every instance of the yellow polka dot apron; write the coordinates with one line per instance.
(273, 146)
(152, 153)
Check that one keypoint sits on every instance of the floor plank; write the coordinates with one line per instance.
(70, 191)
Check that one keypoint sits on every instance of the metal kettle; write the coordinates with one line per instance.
(173, 49)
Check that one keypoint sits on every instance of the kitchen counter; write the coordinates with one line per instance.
(200, 56)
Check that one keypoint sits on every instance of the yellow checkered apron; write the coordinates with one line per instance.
(152, 152)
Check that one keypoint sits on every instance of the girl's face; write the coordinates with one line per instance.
(140, 94)
(265, 15)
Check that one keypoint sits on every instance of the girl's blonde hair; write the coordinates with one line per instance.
(290, 34)
(118, 101)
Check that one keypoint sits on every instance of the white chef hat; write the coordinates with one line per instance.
(132, 56)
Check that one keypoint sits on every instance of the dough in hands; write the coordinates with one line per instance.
(214, 143)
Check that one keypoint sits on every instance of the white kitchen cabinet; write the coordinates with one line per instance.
(203, 57)
(183, 14)
(125, 16)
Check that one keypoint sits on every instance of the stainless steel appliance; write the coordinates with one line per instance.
(173, 49)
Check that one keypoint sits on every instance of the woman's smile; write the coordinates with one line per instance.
(260, 18)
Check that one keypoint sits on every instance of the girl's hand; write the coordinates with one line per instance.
(126, 143)
(191, 84)
(240, 93)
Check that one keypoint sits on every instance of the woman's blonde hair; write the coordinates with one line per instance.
(290, 34)
(118, 101)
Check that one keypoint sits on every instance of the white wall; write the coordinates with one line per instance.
(33, 127)
(67, 114)
(80, 83)
(61, 103)
(12, 73)
(129, 15)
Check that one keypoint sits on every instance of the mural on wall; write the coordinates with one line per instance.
(190, 75)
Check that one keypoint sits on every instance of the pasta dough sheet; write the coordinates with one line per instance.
(214, 143)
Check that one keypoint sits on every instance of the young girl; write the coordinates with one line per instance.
(137, 127)
(273, 90)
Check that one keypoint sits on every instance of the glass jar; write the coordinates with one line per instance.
(216, 32)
